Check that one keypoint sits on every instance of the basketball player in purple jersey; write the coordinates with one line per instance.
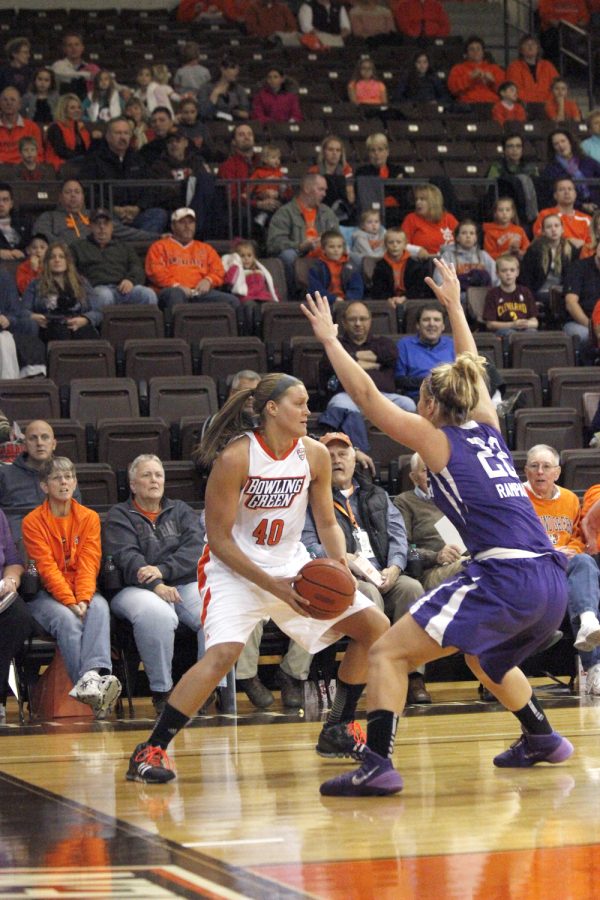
(507, 602)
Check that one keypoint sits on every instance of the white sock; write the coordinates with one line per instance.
(589, 619)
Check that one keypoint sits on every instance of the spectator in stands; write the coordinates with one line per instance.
(29, 169)
(576, 224)
(509, 107)
(504, 234)
(21, 352)
(419, 353)
(224, 98)
(558, 106)
(113, 268)
(560, 514)
(67, 138)
(273, 194)
(369, 238)
(532, 74)
(566, 158)
(421, 18)
(249, 280)
(547, 260)
(324, 20)
(337, 172)
(190, 76)
(277, 100)
(15, 230)
(296, 228)
(178, 161)
(195, 130)
(392, 271)
(271, 19)
(377, 355)
(20, 482)
(590, 248)
(103, 102)
(71, 220)
(72, 73)
(161, 126)
(13, 127)
(185, 270)
(420, 84)
(114, 160)
(39, 102)
(514, 176)
(204, 11)
(378, 167)
(135, 114)
(241, 162)
(63, 538)
(581, 291)
(17, 72)
(61, 302)
(156, 544)
(591, 145)
(374, 531)
(151, 92)
(420, 514)
(474, 267)
(550, 13)
(371, 21)
(30, 268)
(333, 273)
(429, 227)
(365, 88)
(17, 623)
(510, 306)
(476, 80)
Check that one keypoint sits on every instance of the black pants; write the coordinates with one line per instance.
(16, 625)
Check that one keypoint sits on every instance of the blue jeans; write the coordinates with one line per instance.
(583, 586)
(154, 622)
(154, 219)
(84, 644)
(109, 295)
(345, 401)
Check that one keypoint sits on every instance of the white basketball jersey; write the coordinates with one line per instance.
(272, 506)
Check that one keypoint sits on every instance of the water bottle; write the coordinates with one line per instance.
(414, 563)
(30, 581)
(111, 577)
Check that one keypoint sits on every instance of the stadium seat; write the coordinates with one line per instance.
(194, 321)
(97, 483)
(527, 382)
(29, 399)
(131, 321)
(580, 468)
(146, 358)
(92, 399)
(560, 428)
(80, 359)
(121, 440)
(173, 397)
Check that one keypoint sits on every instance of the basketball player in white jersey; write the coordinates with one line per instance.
(256, 498)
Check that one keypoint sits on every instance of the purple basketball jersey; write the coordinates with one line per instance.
(480, 492)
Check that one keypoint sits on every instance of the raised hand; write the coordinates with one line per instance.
(317, 311)
(448, 292)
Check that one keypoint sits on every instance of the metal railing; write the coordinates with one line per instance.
(571, 41)
(518, 15)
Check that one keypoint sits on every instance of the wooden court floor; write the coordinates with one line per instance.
(244, 817)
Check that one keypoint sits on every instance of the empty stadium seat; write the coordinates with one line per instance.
(131, 321)
(491, 345)
(29, 399)
(147, 358)
(173, 397)
(190, 429)
(121, 440)
(220, 357)
(525, 380)
(568, 384)
(97, 483)
(194, 321)
(560, 428)
(580, 468)
(183, 481)
(80, 359)
(540, 350)
(92, 399)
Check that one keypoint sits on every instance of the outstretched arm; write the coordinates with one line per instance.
(407, 428)
(448, 293)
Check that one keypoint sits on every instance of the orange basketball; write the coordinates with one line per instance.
(329, 587)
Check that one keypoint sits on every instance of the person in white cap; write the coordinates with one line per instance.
(184, 270)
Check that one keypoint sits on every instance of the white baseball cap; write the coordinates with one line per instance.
(182, 213)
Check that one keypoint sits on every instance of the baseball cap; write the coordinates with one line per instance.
(182, 213)
(332, 436)
(100, 213)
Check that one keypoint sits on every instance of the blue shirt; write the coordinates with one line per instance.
(416, 359)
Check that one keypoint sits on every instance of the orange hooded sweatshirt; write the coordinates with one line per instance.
(68, 573)
(168, 263)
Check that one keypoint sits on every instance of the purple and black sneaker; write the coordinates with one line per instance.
(534, 748)
(375, 778)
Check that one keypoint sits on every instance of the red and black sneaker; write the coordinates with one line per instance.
(150, 765)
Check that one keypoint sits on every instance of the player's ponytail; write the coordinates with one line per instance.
(455, 386)
(233, 419)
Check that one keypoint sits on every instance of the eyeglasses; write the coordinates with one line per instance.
(545, 467)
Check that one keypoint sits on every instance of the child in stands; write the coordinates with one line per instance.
(29, 269)
(365, 87)
(474, 267)
(560, 107)
(504, 234)
(368, 238)
(333, 274)
(270, 196)
(508, 108)
(390, 271)
(510, 306)
(249, 280)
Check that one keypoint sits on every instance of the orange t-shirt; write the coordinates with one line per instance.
(498, 238)
(430, 235)
(398, 266)
(589, 498)
(572, 111)
(577, 225)
(502, 114)
(153, 516)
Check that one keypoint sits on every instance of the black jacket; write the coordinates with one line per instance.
(101, 164)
